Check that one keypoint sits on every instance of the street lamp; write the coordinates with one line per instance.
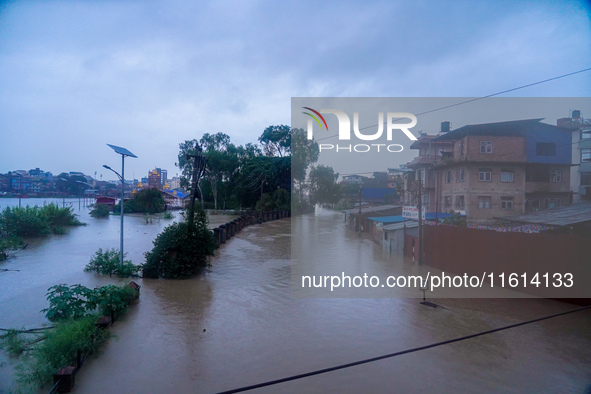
(123, 152)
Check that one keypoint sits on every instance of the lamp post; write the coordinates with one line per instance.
(123, 152)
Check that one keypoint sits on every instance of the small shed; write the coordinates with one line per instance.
(358, 218)
(394, 234)
(110, 201)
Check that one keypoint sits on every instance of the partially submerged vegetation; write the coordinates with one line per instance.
(181, 249)
(145, 201)
(75, 310)
(100, 211)
(16, 223)
(108, 262)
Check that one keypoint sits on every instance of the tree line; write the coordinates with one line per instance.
(251, 176)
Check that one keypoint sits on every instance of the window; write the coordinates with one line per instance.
(460, 175)
(586, 155)
(461, 148)
(447, 176)
(460, 202)
(507, 176)
(555, 176)
(546, 149)
(484, 202)
(426, 200)
(585, 178)
(447, 202)
(586, 133)
(507, 202)
(485, 174)
(485, 146)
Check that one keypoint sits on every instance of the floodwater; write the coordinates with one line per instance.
(239, 325)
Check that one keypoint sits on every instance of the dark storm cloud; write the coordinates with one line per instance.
(75, 75)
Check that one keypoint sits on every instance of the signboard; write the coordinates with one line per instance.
(411, 212)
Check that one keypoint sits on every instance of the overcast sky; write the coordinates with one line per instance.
(147, 75)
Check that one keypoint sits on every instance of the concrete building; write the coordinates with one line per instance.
(154, 180)
(493, 170)
(430, 152)
(580, 173)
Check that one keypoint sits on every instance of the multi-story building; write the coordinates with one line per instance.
(580, 174)
(154, 179)
(430, 152)
(175, 182)
(494, 170)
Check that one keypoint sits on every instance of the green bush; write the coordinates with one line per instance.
(59, 349)
(114, 299)
(75, 309)
(35, 221)
(24, 222)
(59, 217)
(69, 302)
(145, 201)
(100, 211)
(167, 215)
(455, 220)
(181, 250)
(108, 262)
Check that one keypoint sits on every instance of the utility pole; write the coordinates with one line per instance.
(420, 206)
(199, 164)
(359, 214)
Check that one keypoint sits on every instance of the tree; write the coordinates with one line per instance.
(181, 250)
(222, 160)
(185, 163)
(304, 152)
(323, 186)
(149, 201)
(145, 201)
(276, 140)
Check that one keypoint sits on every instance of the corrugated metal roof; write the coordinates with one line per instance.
(514, 127)
(388, 219)
(563, 216)
(398, 226)
(376, 208)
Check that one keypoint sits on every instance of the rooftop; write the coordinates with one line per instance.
(563, 216)
(376, 208)
(509, 128)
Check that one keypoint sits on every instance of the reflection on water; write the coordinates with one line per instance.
(238, 325)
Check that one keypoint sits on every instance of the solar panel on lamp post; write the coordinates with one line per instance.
(123, 152)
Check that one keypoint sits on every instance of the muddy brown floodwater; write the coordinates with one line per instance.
(239, 325)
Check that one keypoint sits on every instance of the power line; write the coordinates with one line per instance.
(480, 98)
(416, 349)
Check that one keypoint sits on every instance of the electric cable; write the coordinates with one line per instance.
(481, 98)
(385, 356)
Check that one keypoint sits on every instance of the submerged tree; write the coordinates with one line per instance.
(182, 249)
